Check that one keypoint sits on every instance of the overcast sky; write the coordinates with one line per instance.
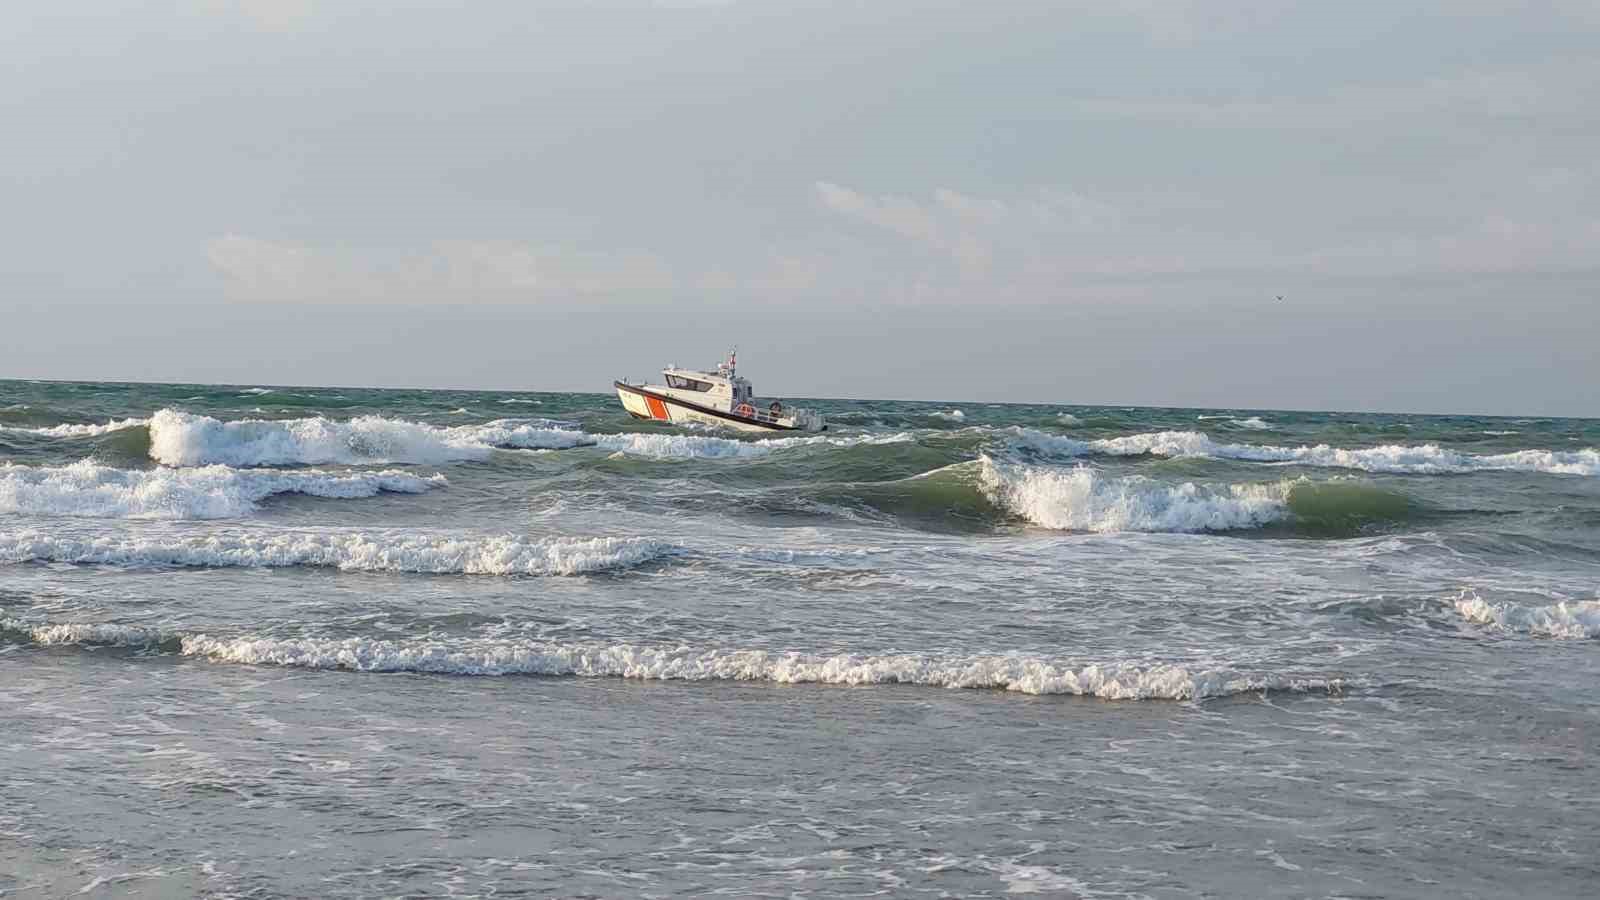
(1067, 202)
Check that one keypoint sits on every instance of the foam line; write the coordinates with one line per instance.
(346, 551)
(1010, 672)
(1424, 459)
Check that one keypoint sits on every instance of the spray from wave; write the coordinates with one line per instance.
(211, 492)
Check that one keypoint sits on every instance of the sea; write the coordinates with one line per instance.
(275, 642)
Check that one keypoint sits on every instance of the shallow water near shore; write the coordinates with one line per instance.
(265, 641)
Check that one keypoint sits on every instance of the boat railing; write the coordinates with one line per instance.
(765, 414)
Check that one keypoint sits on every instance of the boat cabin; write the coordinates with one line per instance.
(721, 390)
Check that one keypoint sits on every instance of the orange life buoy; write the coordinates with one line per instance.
(745, 409)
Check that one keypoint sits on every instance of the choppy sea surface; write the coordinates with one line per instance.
(292, 642)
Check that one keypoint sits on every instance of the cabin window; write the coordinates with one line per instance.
(687, 384)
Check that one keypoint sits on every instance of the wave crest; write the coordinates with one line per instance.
(75, 431)
(185, 439)
(211, 492)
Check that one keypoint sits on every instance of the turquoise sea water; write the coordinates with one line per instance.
(266, 641)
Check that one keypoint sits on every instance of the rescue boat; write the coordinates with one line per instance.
(721, 397)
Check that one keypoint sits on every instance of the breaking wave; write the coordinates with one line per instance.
(1424, 459)
(1082, 499)
(346, 551)
(988, 493)
(185, 439)
(1021, 674)
(211, 492)
(1578, 619)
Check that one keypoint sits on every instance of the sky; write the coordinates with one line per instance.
(1062, 202)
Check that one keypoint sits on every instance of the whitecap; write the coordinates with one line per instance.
(86, 488)
(185, 439)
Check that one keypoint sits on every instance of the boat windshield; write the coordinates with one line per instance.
(687, 384)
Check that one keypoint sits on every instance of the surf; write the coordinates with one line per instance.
(490, 657)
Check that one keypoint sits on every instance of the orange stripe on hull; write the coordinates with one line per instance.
(657, 408)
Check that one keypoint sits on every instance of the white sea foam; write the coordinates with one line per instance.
(211, 492)
(953, 415)
(349, 551)
(482, 657)
(1424, 459)
(523, 401)
(1082, 499)
(1576, 619)
(91, 633)
(72, 431)
(257, 391)
(1255, 423)
(1067, 418)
